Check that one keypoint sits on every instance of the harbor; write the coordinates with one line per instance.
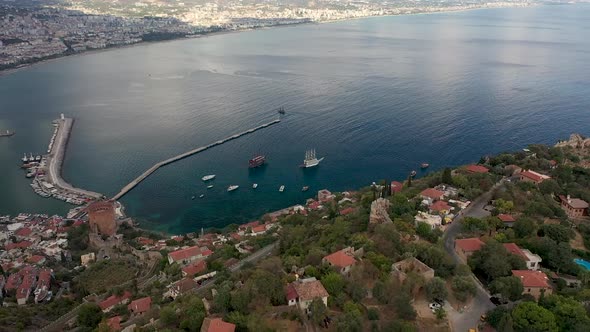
(156, 166)
(46, 170)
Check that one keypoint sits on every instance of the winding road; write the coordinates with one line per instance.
(470, 317)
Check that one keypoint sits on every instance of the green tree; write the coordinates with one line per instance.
(494, 261)
(529, 316)
(440, 313)
(334, 283)
(463, 287)
(503, 206)
(351, 321)
(446, 176)
(509, 287)
(524, 227)
(558, 233)
(570, 314)
(89, 315)
(436, 289)
(168, 316)
(404, 307)
(318, 310)
(549, 187)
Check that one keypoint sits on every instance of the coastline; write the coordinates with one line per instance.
(8, 71)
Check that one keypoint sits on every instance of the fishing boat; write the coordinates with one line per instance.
(210, 186)
(305, 188)
(282, 188)
(7, 133)
(424, 165)
(233, 187)
(254, 186)
(310, 159)
(208, 177)
(413, 173)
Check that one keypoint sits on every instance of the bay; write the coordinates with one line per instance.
(375, 97)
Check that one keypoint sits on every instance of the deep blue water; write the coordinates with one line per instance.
(376, 97)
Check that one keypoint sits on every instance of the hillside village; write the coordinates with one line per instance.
(498, 245)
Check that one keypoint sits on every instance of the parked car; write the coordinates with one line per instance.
(434, 306)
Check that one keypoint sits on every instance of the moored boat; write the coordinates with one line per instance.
(202, 195)
(424, 165)
(208, 177)
(413, 173)
(310, 159)
(233, 187)
(7, 133)
(210, 186)
(255, 185)
(257, 161)
(305, 188)
(282, 188)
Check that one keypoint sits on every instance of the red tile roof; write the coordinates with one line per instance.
(396, 187)
(574, 203)
(250, 224)
(140, 305)
(291, 293)
(35, 259)
(346, 211)
(440, 206)
(534, 176)
(476, 169)
(195, 268)
(308, 290)
(432, 193)
(506, 218)
(259, 229)
(470, 244)
(184, 285)
(21, 244)
(340, 259)
(24, 232)
(514, 249)
(217, 325)
(187, 253)
(532, 278)
(114, 323)
(113, 300)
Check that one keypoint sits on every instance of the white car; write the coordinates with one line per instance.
(434, 306)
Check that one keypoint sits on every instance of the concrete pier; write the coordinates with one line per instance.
(56, 157)
(156, 166)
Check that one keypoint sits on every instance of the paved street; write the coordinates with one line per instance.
(463, 321)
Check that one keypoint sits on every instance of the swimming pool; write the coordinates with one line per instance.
(583, 263)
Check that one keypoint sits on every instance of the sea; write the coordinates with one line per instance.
(376, 97)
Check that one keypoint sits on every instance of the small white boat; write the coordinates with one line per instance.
(282, 188)
(305, 188)
(254, 186)
(208, 177)
(193, 197)
(233, 187)
(202, 195)
(210, 186)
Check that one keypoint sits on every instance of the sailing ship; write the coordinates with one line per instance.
(281, 110)
(7, 133)
(310, 159)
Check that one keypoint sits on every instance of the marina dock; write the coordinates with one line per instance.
(156, 166)
(47, 180)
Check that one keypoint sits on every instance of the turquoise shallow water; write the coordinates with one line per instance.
(375, 97)
(582, 263)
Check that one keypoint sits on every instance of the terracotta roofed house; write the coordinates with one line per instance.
(476, 169)
(110, 302)
(303, 292)
(396, 187)
(507, 219)
(181, 287)
(185, 256)
(432, 194)
(114, 323)
(532, 261)
(574, 207)
(193, 269)
(140, 306)
(440, 207)
(343, 260)
(533, 282)
(466, 247)
(532, 176)
(217, 325)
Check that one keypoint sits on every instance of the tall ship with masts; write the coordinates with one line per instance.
(310, 159)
